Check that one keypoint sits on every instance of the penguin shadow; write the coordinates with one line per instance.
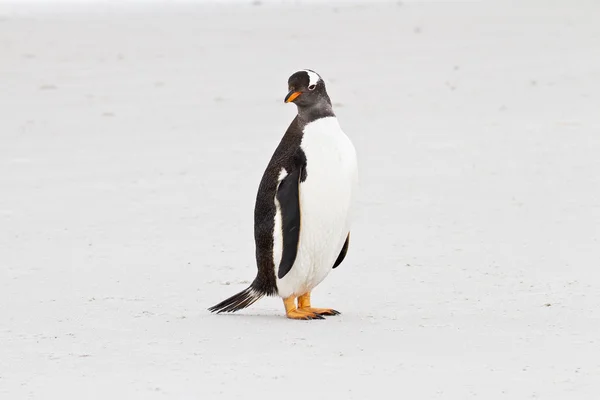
(268, 317)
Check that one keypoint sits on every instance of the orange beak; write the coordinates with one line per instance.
(291, 96)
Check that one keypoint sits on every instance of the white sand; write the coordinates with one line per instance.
(132, 141)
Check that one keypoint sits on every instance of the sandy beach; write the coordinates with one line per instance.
(132, 141)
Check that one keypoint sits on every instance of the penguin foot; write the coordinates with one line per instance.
(295, 313)
(304, 305)
(321, 311)
(303, 315)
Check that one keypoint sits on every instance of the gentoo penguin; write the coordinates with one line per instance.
(303, 207)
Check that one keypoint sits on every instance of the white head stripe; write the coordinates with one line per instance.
(313, 77)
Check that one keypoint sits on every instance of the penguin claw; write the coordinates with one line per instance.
(322, 311)
(303, 315)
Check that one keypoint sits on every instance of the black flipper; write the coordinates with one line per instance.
(289, 202)
(343, 252)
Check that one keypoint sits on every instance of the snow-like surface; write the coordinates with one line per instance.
(132, 141)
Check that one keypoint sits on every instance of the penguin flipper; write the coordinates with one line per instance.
(289, 202)
(343, 252)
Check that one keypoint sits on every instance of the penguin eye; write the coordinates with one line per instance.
(312, 87)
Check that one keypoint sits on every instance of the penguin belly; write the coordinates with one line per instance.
(326, 200)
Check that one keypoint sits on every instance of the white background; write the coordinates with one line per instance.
(132, 141)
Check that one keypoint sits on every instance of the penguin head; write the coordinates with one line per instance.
(306, 89)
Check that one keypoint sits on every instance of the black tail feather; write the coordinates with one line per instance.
(243, 299)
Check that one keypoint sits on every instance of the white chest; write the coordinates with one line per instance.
(326, 199)
(331, 167)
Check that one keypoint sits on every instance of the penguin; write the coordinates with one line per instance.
(303, 209)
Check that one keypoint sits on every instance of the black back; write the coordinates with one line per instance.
(290, 156)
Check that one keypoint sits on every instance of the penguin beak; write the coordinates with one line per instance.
(291, 96)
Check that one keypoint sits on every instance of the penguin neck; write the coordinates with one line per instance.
(313, 112)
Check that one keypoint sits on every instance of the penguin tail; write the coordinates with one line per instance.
(243, 299)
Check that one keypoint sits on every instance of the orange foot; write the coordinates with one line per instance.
(302, 314)
(304, 305)
(320, 311)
